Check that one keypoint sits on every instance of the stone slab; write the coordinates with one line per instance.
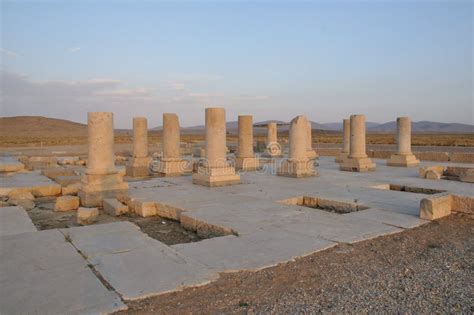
(15, 220)
(53, 278)
(33, 182)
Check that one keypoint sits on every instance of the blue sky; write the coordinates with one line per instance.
(274, 60)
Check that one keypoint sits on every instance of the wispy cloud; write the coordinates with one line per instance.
(195, 77)
(8, 53)
(74, 49)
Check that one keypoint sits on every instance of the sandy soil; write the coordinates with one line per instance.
(424, 270)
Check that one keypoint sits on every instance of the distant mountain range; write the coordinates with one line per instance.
(419, 126)
(35, 126)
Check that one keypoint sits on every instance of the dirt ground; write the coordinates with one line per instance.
(423, 270)
(167, 231)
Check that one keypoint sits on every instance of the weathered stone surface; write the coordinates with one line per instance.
(67, 180)
(216, 170)
(9, 164)
(21, 194)
(346, 141)
(435, 207)
(432, 156)
(144, 208)
(71, 189)
(55, 172)
(432, 174)
(357, 161)
(114, 207)
(171, 163)
(463, 204)
(24, 203)
(273, 148)
(439, 169)
(86, 216)
(38, 185)
(66, 203)
(13, 220)
(138, 165)
(298, 165)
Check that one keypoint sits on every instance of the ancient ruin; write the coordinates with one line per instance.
(273, 147)
(298, 164)
(346, 141)
(101, 179)
(139, 164)
(245, 159)
(404, 157)
(171, 163)
(215, 169)
(357, 161)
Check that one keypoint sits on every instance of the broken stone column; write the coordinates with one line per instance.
(139, 164)
(298, 164)
(246, 159)
(346, 140)
(273, 147)
(309, 142)
(171, 163)
(215, 170)
(404, 157)
(357, 161)
(101, 179)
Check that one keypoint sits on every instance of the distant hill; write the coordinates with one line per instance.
(426, 126)
(38, 126)
(338, 125)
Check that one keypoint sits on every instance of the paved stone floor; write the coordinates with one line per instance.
(266, 233)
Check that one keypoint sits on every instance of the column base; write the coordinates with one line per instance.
(247, 164)
(95, 188)
(138, 167)
(341, 157)
(215, 176)
(403, 160)
(297, 169)
(311, 154)
(171, 167)
(357, 165)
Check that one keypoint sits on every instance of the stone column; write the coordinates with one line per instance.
(215, 170)
(309, 142)
(171, 163)
(273, 148)
(101, 179)
(245, 159)
(139, 164)
(357, 160)
(346, 140)
(404, 157)
(297, 164)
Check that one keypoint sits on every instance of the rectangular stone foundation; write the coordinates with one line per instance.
(216, 176)
(95, 199)
(341, 158)
(297, 169)
(357, 165)
(247, 164)
(171, 167)
(403, 160)
(138, 167)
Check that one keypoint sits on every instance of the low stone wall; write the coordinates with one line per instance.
(458, 157)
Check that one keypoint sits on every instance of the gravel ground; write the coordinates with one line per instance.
(424, 270)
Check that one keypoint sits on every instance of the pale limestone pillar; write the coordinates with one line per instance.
(245, 159)
(404, 157)
(357, 161)
(171, 164)
(101, 157)
(215, 170)
(171, 136)
(297, 164)
(101, 179)
(346, 140)
(273, 148)
(309, 142)
(139, 164)
(140, 137)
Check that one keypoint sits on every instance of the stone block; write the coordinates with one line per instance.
(21, 195)
(357, 165)
(24, 203)
(67, 180)
(86, 216)
(247, 164)
(463, 204)
(66, 203)
(432, 156)
(10, 165)
(71, 189)
(55, 172)
(144, 208)
(114, 207)
(67, 160)
(379, 154)
(433, 175)
(424, 170)
(401, 160)
(435, 207)
(169, 167)
(215, 176)
(297, 169)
